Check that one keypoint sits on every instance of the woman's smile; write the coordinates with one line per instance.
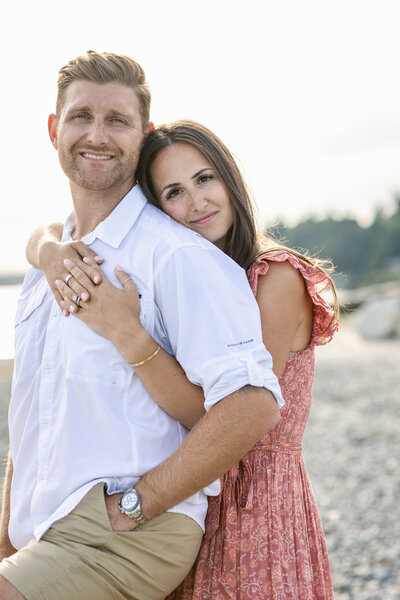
(206, 219)
(191, 192)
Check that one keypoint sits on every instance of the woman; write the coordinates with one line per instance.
(264, 538)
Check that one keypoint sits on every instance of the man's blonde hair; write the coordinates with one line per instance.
(105, 68)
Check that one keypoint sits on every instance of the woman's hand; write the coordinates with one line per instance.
(111, 312)
(52, 258)
(45, 251)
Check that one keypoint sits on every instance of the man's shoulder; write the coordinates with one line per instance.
(162, 229)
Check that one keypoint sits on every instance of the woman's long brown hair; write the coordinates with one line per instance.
(243, 243)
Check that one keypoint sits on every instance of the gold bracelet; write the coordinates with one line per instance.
(156, 351)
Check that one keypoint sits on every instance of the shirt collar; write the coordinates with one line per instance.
(116, 226)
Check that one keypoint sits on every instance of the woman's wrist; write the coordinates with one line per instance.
(134, 343)
(46, 250)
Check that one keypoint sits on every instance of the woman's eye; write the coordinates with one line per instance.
(118, 121)
(204, 178)
(81, 116)
(173, 193)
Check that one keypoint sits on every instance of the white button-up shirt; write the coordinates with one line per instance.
(79, 414)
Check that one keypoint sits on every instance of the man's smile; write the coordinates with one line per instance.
(91, 156)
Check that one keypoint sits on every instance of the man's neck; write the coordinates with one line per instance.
(92, 207)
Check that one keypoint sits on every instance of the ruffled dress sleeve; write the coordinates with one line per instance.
(324, 322)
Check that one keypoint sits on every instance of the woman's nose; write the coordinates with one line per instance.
(199, 200)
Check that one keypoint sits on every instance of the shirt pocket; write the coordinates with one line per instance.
(147, 308)
(30, 331)
(28, 304)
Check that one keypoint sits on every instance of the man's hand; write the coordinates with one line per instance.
(118, 521)
(218, 441)
(6, 549)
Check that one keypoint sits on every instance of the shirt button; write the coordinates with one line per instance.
(47, 365)
(45, 420)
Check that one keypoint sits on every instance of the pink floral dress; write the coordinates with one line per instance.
(264, 537)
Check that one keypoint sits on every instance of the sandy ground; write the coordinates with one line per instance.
(352, 450)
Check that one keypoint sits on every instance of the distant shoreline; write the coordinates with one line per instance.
(12, 279)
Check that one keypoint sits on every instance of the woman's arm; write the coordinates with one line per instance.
(286, 312)
(114, 314)
(39, 239)
(162, 376)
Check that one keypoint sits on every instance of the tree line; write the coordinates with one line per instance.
(363, 254)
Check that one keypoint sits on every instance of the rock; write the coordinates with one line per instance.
(379, 318)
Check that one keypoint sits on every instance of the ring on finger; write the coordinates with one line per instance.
(77, 300)
(68, 277)
(127, 279)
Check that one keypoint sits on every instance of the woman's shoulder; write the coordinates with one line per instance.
(290, 270)
(294, 262)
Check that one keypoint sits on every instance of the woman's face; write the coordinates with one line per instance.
(191, 192)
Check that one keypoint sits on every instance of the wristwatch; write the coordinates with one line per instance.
(129, 505)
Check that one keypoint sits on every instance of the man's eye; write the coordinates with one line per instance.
(118, 121)
(81, 116)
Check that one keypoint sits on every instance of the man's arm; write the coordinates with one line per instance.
(6, 548)
(220, 439)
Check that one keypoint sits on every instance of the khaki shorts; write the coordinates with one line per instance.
(81, 558)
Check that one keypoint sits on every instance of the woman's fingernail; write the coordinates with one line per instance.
(96, 279)
(65, 313)
(63, 304)
(72, 308)
(118, 268)
(84, 296)
(58, 283)
(97, 257)
(68, 262)
(86, 260)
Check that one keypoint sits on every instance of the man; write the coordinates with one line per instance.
(80, 420)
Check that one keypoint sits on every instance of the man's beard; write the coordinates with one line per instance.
(94, 179)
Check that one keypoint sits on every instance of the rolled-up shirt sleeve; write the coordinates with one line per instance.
(212, 321)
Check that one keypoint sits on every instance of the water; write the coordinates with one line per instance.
(8, 306)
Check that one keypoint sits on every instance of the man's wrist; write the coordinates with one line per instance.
(149, 505)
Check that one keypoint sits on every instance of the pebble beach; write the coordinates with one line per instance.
(352, 453)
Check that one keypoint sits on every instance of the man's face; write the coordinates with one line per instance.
(98, 135)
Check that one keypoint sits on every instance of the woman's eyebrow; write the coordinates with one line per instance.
(201, 171)
(169, 185)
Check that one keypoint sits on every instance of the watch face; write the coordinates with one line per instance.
(129, 500)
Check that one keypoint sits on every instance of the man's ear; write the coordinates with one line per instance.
(52, 127)
(149, 129)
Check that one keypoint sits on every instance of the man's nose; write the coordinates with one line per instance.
(97, 134)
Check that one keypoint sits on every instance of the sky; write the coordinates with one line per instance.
(306, 94)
